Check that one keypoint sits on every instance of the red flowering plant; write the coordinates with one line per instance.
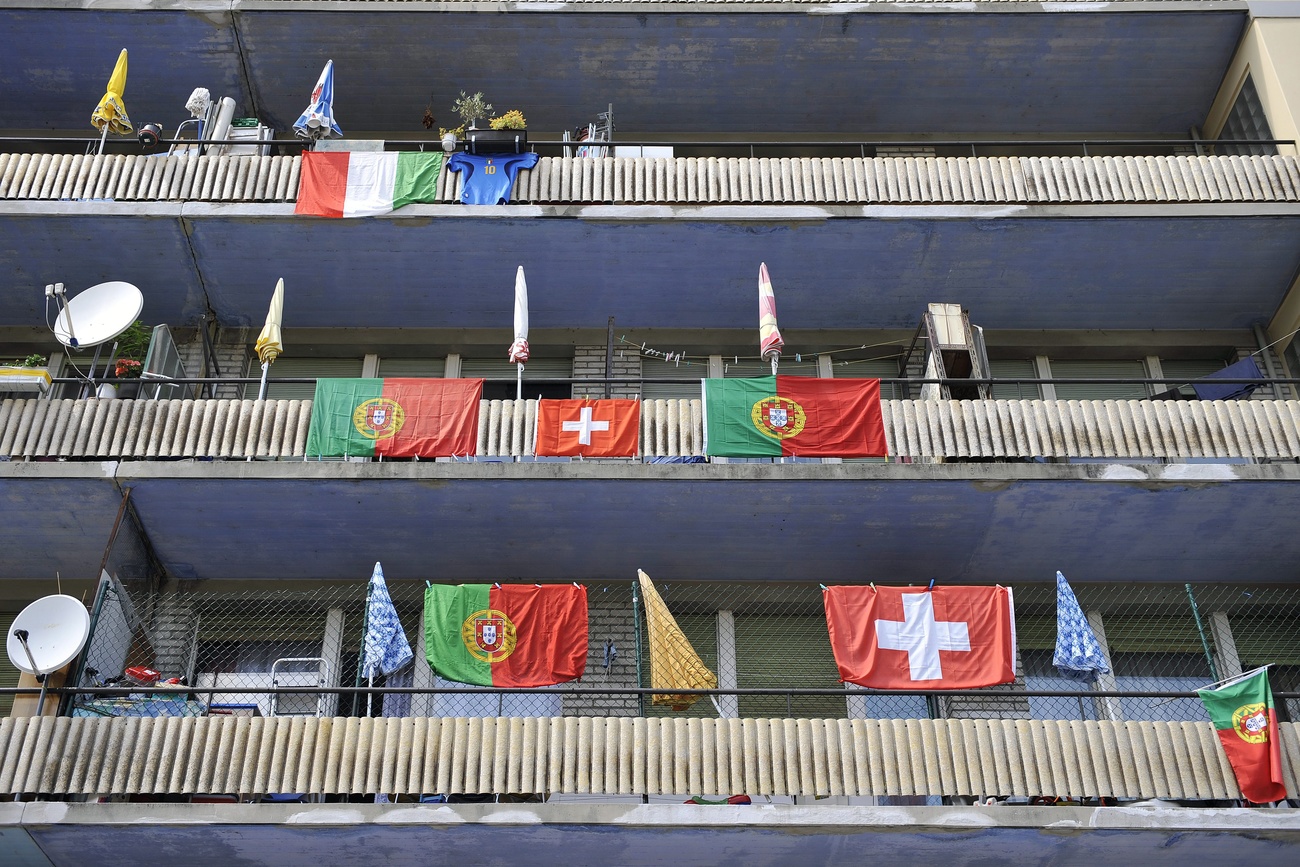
(127, 368)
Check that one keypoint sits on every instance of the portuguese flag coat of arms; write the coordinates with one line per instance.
(774, 416)
(400, 418)
(1243, 715)
(519, 635)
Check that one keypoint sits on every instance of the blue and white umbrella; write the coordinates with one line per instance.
(385, 649)
(317, 121)
(1078, 656)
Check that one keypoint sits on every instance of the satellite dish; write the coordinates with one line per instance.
(55, 629)
(98, 314)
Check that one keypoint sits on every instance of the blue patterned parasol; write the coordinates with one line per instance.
(1078, 656)
(386, 648)
(317, 121)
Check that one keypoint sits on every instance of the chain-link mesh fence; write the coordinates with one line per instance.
(765, 644)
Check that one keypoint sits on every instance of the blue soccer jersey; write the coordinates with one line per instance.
(489, 179)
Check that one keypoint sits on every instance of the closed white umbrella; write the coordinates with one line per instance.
(519, 349)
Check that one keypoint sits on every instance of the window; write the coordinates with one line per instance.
(1156, 651)
(1125, 369)
(1014, 368)
(432, 368)
(299, 367)
(501, 377)
(1246, 122)
(786, 650)
(1179, 373)
(8, 674)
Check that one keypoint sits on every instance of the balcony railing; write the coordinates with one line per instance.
(849, 180)
(784, 726)
(952, 429)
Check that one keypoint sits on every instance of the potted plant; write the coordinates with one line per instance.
(25, 374)
(132, 349)
(487, 134)
(473, 110)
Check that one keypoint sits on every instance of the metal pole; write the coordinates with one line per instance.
(1200, 628)
(636, 631)
(261, 389)
(609, 357)
(519, 383)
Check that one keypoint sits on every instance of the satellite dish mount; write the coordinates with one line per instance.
(47, 635)
(94, 317)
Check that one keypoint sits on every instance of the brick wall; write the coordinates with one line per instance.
(589, 363)
(610, 618)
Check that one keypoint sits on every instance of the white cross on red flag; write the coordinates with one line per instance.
(913, 638)
(590, 428)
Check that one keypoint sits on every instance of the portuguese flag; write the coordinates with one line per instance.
(400, 418)
(772, 416)
(1242, 713)
(520, 635)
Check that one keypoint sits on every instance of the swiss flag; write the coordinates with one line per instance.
(913, 638)
(590, 428)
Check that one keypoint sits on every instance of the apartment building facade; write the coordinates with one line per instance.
(1110, 192)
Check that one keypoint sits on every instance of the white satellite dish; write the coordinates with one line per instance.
(98, 314)
(55, 628)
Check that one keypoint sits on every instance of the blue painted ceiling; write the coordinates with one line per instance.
(541, 522)
(1156, 272)
(760, 72)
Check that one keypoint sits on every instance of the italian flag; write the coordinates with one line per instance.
(775, 416)
(400, 418)
(349, 184)
(1243, 715)
(517, 635)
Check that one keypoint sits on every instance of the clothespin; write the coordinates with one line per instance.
(873, 586)
(823, 586)
(931, 587)
(497, 585)
(428, 583)
(576, 584)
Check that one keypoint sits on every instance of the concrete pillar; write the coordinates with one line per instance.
(728, 705)
(1226, 659)
(1107, 708)
(331, 651)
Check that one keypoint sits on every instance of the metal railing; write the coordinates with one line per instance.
(766, 641)
(731, 147)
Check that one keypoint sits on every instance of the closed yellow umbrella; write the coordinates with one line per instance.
(110, 115)
(269, 345)
(674, 664)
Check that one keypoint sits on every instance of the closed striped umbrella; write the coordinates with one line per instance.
(769, 335)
